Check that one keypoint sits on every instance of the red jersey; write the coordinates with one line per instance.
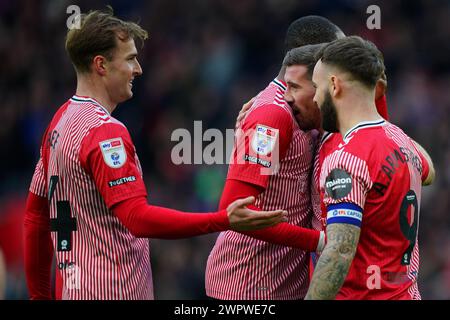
(88, 164)
(328, 143)
(373, 180)
(239, 266)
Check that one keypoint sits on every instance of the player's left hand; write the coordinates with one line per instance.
(245, 219)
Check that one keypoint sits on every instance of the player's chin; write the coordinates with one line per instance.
(128, 94)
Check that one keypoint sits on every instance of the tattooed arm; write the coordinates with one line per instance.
(334, 263)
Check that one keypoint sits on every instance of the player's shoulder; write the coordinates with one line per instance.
(330, 141)
(92, 121)
(268, 118)
(269, 111)
(271, 101)
(365, 138)
(361, 148)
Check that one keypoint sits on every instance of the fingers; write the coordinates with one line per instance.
(243, 219)
(273, 217)
(268, 218)
(240, 117)
(244, 110)
(270, 222)
(248, 105)
(261, 219)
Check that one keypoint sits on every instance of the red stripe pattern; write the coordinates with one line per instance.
(106, 260)
(240, 267)
(384, 167)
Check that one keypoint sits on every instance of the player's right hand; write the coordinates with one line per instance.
(245, 219)
(244, 111)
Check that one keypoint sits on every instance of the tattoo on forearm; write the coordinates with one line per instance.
(334, 263)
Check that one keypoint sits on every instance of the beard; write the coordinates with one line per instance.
(329, 114)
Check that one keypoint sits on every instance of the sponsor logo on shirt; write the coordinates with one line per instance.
(264, 139)
(113, 152)
(338, 184)
(120, 181)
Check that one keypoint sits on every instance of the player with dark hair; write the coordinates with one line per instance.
(371, 183)
(311, 30)
(87, 199)
(277, 163)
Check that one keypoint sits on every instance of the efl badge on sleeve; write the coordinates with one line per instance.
(114, 152)
(264, 139)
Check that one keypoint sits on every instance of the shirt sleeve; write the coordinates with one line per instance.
(425, 167)
(425, 164)
(345, 181)
(147, 221)
(109, 156)
(283, 233)
(38, 248)
(260, 144)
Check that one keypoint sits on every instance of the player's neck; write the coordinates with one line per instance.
(86, 87)
(355, 111)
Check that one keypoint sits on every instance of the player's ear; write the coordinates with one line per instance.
(380, 88)
(335, 85)
(99, 65)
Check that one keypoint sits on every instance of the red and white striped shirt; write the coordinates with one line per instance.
(88, 163)
(373, 179)
(329, 142)
(241, 267)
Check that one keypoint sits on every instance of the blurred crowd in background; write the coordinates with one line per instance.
(203, 60)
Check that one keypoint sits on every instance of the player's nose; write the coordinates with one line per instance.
(138, 69)
(315, 100)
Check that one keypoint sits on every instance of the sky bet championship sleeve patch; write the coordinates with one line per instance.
(345, 212)
(113, 151)
(338, 184)
(264, 140)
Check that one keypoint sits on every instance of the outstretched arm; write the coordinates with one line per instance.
(283, 233)
(147, 221)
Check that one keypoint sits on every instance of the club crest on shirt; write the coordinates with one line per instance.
(264, 139)
(113, 151)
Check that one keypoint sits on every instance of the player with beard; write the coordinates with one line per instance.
(371, 184)
(247, 266)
